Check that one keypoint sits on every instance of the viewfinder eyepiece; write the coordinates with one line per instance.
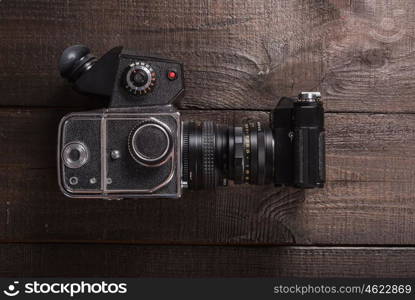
(74, 61)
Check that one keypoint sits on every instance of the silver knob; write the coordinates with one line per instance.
(75, 155)
(309, 96)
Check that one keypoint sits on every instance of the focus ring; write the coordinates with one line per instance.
(185, 149)
(238, 156)
(208, 154)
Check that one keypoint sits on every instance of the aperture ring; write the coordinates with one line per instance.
(208, 154)
(262, 163)
(247, 152)
(238, 156)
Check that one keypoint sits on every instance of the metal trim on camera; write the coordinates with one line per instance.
(309, 97)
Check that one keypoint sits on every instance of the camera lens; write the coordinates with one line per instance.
(214, 153)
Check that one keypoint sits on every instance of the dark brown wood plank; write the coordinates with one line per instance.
(369, 198)
(68, 260)
(238, 54)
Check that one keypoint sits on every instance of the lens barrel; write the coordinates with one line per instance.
(204, 154)
(214, 153)
(259, 153)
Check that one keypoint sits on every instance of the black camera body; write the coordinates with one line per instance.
(139, 147)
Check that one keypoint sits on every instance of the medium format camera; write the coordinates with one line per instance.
(140, 147)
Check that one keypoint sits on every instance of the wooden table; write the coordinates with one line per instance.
(240, 57)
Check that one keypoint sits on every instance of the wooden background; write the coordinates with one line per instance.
(240, 56)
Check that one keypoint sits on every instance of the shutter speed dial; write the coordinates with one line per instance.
(140, 78)
(150, 144)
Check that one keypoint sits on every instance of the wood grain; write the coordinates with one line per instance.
(369, 198)
(78, 260)
(237, 54)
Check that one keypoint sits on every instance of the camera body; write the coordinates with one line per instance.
(132, 148)
(139, 147)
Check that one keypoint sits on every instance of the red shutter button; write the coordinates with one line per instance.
(171, 75)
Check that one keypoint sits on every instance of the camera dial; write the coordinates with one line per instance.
(150, 144)
(75, 155)
(140, 78)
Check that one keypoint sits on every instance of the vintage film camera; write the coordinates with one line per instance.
(139, 146)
